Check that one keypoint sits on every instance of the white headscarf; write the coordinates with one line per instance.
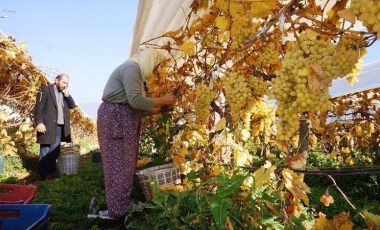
(147, 59)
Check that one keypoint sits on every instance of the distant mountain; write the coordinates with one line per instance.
(91, 109)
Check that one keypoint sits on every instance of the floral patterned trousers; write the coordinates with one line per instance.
(118, 134)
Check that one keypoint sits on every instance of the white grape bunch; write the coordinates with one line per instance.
(204, 96)
(368, 12)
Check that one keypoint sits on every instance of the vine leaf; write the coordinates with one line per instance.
(295, 185)
(340, 221)
(263, 8)
(347, 14)
(188, 48)
(221, 22)
(221, 124)
(263, 175)
(219, 210)
(296, 162)
(372, 221)
(316, 122)
(316, 78)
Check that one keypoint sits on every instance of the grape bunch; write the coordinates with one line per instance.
(242, 28)
(261, 116)
(268, 54)
(238, 94)
(368, 12)
(307, 72)
(352, 77)
(349, 51)
(258, 85)
(204, 96)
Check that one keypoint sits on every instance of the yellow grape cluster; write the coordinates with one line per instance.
(262, 116)
(268, 54)
(320, 52)
(258, 86)
(352, 77)
(290, 87)
(307, 71)
(368, 12)
(237, 95)
(204, 96)
(349, 50)
(242, 28)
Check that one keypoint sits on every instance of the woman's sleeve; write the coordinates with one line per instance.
(132, 82)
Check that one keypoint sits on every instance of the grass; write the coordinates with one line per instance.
(70, 195)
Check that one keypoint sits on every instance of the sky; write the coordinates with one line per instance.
(85, 39)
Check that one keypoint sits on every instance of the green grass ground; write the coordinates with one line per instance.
(70, 195)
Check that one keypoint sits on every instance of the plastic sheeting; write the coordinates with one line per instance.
(368, 79)
(155, 17)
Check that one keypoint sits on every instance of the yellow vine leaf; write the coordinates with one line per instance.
(24, 127)
(334, 153)
(221, 22)
(295, 185)
(315, 78)
(316, 122)
(228, 224)
(350, 160)
(236, 9)
(263, 8)
(321, 223)
(326, 199)
(332, 15)
(372, 221)
(222, 4)
(143, 161)
(245, 134)
(3, 115)
(188, 48)
(178, 160)
(23, 46)
(296, 162)
(221, 124)
(215, 170)
(346, 150)
(172, 33)
(348, 15)
(263, 175)
(340, 221)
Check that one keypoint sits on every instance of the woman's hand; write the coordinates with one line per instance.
(168, 99)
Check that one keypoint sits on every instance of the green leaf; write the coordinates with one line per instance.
(227, 186)
(219, 209)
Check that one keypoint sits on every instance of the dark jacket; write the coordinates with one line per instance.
(46, 112)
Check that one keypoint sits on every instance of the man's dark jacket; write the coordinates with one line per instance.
(46, 112)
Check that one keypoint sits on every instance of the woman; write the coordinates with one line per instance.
(118, 124)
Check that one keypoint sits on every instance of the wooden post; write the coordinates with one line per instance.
(303, 140)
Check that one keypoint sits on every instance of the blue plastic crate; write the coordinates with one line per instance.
(24, 216)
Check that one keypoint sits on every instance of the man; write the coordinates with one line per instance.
(52, 121)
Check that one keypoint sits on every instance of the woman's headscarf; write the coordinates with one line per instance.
(147, 59)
